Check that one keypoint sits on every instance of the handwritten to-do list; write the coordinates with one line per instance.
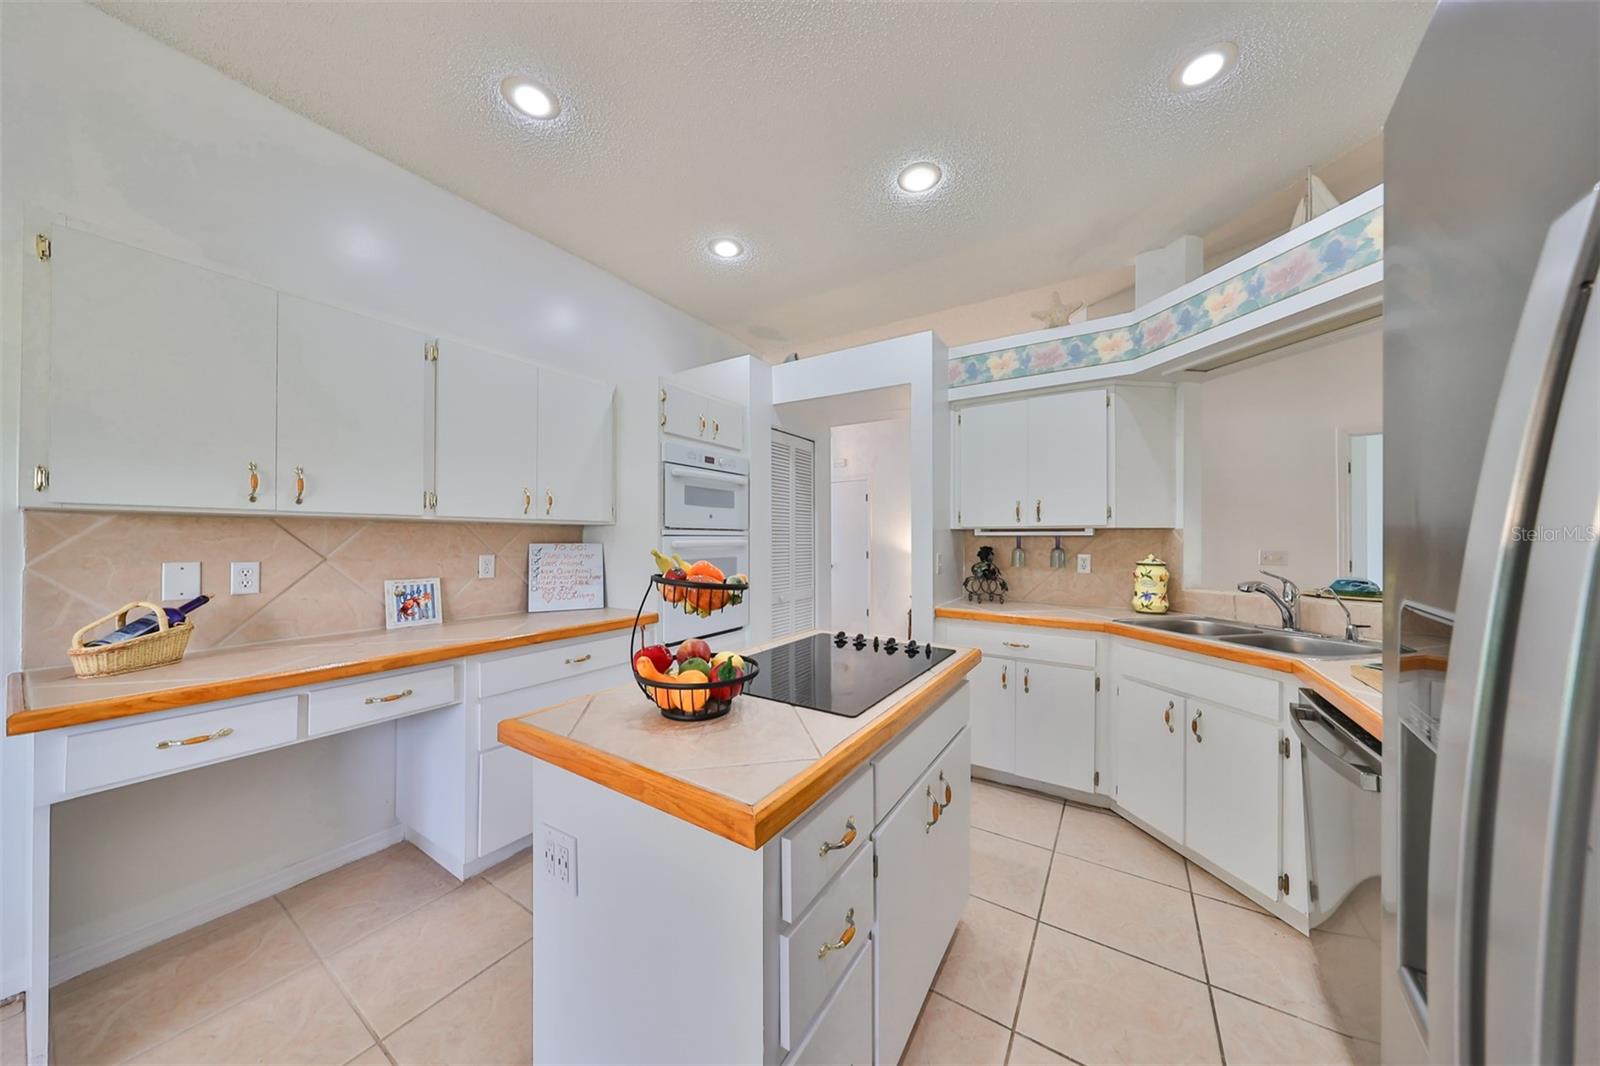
(566, 577)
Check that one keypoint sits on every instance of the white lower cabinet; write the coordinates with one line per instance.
(1150, 755)
(1231, 788)
(1055, 725)
(994, 714)
(505, 799)
(842, 1035)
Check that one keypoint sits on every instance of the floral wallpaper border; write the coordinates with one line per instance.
(1346, 248)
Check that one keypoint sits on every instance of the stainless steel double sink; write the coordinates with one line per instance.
(1247, 636)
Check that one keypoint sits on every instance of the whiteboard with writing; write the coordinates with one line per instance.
(566, 577)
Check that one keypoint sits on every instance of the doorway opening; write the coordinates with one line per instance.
(870, 528)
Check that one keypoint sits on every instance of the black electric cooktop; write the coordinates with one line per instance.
(839, 674)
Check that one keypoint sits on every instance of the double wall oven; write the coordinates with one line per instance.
(705, 514)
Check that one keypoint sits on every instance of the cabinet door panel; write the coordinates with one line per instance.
(994, 458)
(684, 413)
(505, 798)
(992, 685)
(1055, 725)
(1067, 459)
(726, 424)
(162, 378)
(1149, 727)
(575, 448)
(350, 412)
(1232, 790)
(487, 427)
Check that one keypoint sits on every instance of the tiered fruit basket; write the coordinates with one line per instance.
(699, 696)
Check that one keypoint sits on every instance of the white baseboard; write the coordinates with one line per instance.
(81, 960)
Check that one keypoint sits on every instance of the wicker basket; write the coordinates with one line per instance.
(165, 645)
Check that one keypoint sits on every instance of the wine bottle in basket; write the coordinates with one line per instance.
(138, 627)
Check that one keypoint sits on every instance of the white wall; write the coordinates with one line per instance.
(880, 452)
(1269, 456)
(120, 134)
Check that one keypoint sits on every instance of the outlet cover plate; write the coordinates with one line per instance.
(559, 859)
(180, 581)
(1273, 557)
(1083, 562)
(244, 579)
(486, 566)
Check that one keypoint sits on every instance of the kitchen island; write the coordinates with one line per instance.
(735, 890)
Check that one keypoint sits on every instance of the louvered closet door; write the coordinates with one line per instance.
(794, 534)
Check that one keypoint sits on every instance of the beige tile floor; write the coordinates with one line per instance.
(386, 960)
(1084, 940)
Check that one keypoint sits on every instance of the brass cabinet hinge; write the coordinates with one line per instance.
(874, 865)
(1097, 687)
(41, 478)
(1283, 884)
(430, 501)
(1108, 399)
(41, 246)
(1283, 746)
(1108, 514)
(1097, 779)
(958, 418)
(430, 352)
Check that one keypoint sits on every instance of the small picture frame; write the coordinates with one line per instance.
(412, 601)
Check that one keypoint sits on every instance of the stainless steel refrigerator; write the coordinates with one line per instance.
(1491, 881)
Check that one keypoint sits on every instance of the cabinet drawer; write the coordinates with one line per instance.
(104, 757)
(1192, 677)
(807, 973)
(505, 798)
(550, 663)
(809, 848)
(1021, 642)
(842, 1035)
(377, 698)
(898, 768)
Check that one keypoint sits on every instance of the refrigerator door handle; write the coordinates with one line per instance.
(1489, 606)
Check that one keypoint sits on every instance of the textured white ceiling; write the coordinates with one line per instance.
(784, 124)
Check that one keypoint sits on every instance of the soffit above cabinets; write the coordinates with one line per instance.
(1064, 150)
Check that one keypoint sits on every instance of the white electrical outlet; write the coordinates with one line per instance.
(1274, 558)
(486, 566)
(180, 581)
(560, 858)
(244, 579)
(1083, 562)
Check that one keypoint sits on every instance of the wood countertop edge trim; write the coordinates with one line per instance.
(743, 824)
(20, 719)
(1366, 716)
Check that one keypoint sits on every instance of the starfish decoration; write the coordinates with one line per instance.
(1057, 314)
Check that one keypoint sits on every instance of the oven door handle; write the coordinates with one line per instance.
(1361, 766)
(679, 472)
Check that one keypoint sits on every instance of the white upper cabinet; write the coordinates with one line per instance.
(351, 413)
(161, 390)
(1067, 459)
(575, 448)
(688, 414)
(487, 435)
(1092, 457)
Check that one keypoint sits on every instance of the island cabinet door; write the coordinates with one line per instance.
(922, 886)
(1149, 726)
(994, 713)
(1055, 725)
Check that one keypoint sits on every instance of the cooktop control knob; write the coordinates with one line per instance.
(840, 639)
(890, 646)
(860, 641)
(912, 647)
(927, 649)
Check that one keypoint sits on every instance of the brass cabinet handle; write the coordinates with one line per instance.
(1002, 677)
(1018, 510)
(299, 484)
(1166, 716)
(41, 478)
(1025, 679)
(255, 481)
(580, 659)
(1038, 510)
(390, 698)
(1194, 727)
(225, 731)
(949, 796)
(702, 425)
(716, 427)
(549, 500)
(844, 841)
(1013, 644)
(845, 937)
(935, 808)
(527, 499)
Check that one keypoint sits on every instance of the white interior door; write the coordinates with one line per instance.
(994, 460)
(851, 552)
(1068, 460)
(575, 431)
(1055, 725)
(162, 378)
(487, 436)
(350, 412)
(794, 534)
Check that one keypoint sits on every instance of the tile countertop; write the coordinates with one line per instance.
(1330, 678)
(744, 776)
(52, 698)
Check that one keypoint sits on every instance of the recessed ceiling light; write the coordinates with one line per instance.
(1205, 67)
(920, 177)
(530, 99)
(726, 248)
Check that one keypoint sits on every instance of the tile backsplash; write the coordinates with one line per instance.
(1109, 583)
(318, 575)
